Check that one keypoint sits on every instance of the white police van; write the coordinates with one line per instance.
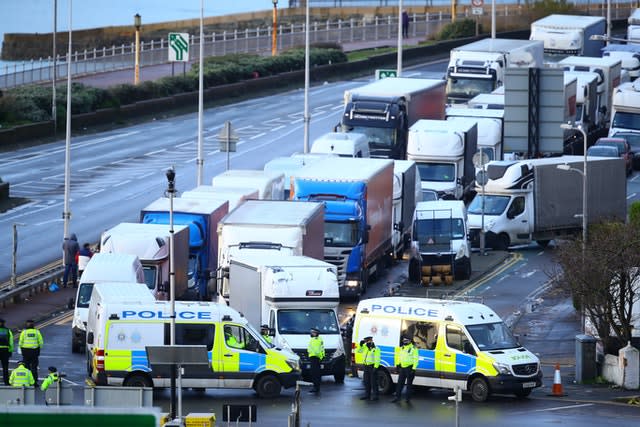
(460, 344)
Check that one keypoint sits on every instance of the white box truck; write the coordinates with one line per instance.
(288, 165)
(625, 108)
(479, 67)
(633, 27)
(534, 200)
(407, 191)
(628, 54)
(490, 125)
(343, 144)
(151, 244)
(235, 196)
(270, 185)
(100, 268)
(569, 35)
(291, 294)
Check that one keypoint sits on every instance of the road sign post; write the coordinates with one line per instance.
(178, 47)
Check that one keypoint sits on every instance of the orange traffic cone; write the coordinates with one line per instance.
(556, 389)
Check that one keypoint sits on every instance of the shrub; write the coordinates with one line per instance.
(456, 30)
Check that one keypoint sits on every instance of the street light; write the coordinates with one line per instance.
(274, 31)
(66, 213)
(307, 117)
(137, 22)
(400, 29)
(606, 38)
(171, 190)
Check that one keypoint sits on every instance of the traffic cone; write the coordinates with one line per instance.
(556, 389)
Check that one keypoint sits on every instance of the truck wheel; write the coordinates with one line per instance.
(75, 347)
(543, 243)
(385, 384)
(479, 389)
(502, 242)
(464, 272)
(414, 271)
(138, 380)
(268, 386)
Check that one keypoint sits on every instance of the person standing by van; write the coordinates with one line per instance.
(371, 361)
(70, 249)
(30, 343)
(315, 350)
(408, 363)
(6, 349)
(264, 331)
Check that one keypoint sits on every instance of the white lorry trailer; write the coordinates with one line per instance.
(478, 67)
(569, 35)
(628, 54)
(539, 200)
(633, 27)
(385, 109)
(270, 185)
(291, 294)
(443, 151)
(407, 191)
(263, 227)
(289, 165)
(625, 108)
(151, 244)
(343, 144)
(440, 249)
(490, 123)
(589, 114)
(235, 196)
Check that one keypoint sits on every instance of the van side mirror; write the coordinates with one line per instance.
(164, 286)
(90, 338)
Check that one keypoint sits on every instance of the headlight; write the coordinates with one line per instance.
(352, 283)
(293, 364)
(460, 252)
(502, 368)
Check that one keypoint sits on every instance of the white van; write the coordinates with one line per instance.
(344, 144)
(102, 267)
(460, 344)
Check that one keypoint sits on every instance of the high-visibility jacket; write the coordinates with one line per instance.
(316, 348)
(233, 342)
(6, 339)
(409, 356)
(371, 356)
(21, 377)
(51, 378)
(30, 338)
(268, 338)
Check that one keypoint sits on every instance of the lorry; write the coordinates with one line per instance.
(125, 335)
(263, 227)
(443, 151)
(490, 123)
(343, 144)
(100, 268)
(270, 184)
(235, 196)
(407, 191)
(569, 35)
(589, 100)
(291, 294)
(489, 101)
(385, 109)
(440, 249)
(625, 108)
(478, 67)
(633, 27)
(202, 217)
(461, 345)
(289, 164)
(151, 244)
(358, 204)
(628, 54)
(541, 199)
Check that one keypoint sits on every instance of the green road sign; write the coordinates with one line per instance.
(179, 47)
(382, 74)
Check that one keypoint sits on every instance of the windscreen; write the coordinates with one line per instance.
(300, 321)
(84, 295)
(492, 336)
(438, 231)
(625, 120)
(437, 172)
(341, 234)
(467, 88)
(493, 205)
(377, 136)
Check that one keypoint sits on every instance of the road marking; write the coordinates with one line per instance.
(560, 408)
(94, 193)
(515, 258)
(631, 196)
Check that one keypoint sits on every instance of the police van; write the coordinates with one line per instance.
(119, 332)
(460, 344)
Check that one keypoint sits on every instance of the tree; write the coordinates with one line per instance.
(604, 279)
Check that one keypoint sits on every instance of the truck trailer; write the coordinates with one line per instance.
(407, 191)
(569, 35)
(385, 109)
(625, 108)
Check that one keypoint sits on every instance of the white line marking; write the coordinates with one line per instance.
(93, 194)
(559, 408)
(631, 196)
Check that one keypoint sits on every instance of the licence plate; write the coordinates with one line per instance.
(308, 366)
(528, 385)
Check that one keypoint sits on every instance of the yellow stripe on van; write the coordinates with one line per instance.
(117, 360)
(484, 365)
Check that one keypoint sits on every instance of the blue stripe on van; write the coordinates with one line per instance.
(465, 364)
(139, 361)
(427, 360)
(251, 362)
(386, 355)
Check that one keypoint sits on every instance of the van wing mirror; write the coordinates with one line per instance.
(164, 286)
(90, 338)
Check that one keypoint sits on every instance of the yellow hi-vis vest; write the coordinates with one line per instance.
(409, 356)
(21, 377)
(316, 348)
(30, 338)
(371, 356)
(51, 378)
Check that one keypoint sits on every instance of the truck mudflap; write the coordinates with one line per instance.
(509, 384)
(289, 379)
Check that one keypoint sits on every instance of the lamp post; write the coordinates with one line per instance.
(274, 31)
(200, 160)
(608, 38)
(137, 22)
(400, 29)
(307, 118)
(54, 75)
(66, 213)
(171, 190)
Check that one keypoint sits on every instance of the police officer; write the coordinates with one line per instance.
(315, 350)
(30, 343)
(264, 331)
(408, 363)
(53, 377)
(371, 362)
(21, 376)
(6, 349)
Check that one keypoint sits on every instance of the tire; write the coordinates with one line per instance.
(268, 386)
(414, 271)
(138, 380)
(502, 242)
(479, 389)
(543, 243)
(464, 272)
(89, 366)
(75, 347)
(521, 394)
(339, 371)
(385, 384)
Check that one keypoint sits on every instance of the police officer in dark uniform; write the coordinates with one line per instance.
(6, 349)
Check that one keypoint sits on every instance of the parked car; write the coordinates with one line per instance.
(603, 151)
(623, 150)
(633, 139)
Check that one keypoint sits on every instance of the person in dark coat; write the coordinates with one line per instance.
(405, 24)
(70, 249)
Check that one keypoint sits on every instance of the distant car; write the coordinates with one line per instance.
(633, 139)
(602, 151)
(623, 150)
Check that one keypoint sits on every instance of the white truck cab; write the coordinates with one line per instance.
(344, 144)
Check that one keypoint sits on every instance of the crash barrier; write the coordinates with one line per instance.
(59, 393)
(119, 397)
(17, 395)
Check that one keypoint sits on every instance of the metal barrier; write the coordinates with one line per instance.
(120, 397)
(59, 393)
(17, 395)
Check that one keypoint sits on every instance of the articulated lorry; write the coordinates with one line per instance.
(443, 151)
(270, 184)
(490, 125)
(479, 67)
(407, 191)
(202, 217)
(589, 112)
(539, 200)
(633, 27)
(358, 197)
(440, 249)
(628, 54)
(569, 35)
(385, 109)
(288, 165)
(235, 196)
(151, 244)
(262, 227)
(625, 108)
(291, 294)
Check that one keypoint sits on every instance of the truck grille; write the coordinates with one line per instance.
(304, 356)
(339, 259)
(526, 369)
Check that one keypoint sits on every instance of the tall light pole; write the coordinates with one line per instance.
(608, 21)
(274, 31)
(200, 160)
(400, 28)
(66, 213)
(54, 75)
(137, 22)
(306, 79)
(171, 189)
